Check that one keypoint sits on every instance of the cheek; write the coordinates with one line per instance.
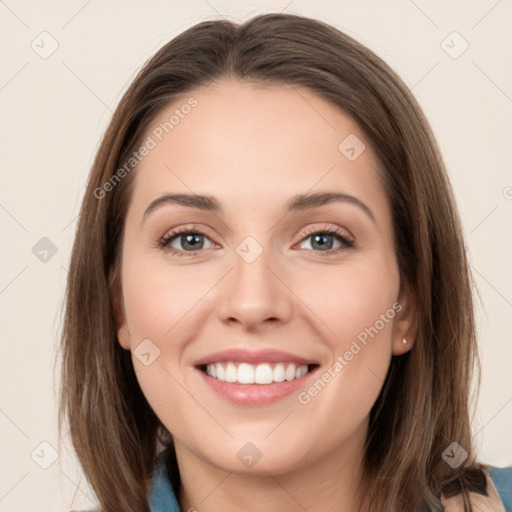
(157, 299)
(351, 300)
(159, 303)
(359, 307)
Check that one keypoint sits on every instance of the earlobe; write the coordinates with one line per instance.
(123, 335)
(405, 327)
(406, 345)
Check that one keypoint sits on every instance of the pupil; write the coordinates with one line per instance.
(190, 239)
(322, 242)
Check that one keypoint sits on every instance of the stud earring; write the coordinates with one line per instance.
(404, 341)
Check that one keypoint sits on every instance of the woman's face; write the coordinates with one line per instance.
(282, 282)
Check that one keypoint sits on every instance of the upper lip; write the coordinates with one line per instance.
(247, 356)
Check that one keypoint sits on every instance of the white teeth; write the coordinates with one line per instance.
(245, 374)
(231, 373)
(263, 373)
(221, 373)
(278, 375)
(301, 371)
(290, 372)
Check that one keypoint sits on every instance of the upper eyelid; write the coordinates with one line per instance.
(181, 230)
(306, 233)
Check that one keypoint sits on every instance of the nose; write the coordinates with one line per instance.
(254, 294)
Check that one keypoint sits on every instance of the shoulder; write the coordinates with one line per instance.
(499, 490)
(502, 479)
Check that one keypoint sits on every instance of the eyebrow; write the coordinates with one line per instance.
(298, 202)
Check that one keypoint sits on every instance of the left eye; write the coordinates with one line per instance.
(324, 240)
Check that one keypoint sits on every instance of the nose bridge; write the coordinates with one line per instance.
(252, 293)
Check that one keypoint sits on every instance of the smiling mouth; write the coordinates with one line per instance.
(264, 373)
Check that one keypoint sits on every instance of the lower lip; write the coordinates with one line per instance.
(255, 394)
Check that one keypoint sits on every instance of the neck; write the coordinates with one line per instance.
(329, 484)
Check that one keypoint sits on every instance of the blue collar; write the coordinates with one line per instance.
(162, 498)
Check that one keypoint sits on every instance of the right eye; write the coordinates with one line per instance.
(187, 237)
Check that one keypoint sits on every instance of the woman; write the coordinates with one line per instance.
(215, 355)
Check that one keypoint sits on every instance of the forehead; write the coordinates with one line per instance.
(238, 141)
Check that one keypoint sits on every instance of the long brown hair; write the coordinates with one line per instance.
(424, 403)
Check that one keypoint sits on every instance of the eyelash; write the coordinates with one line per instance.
(167, 239)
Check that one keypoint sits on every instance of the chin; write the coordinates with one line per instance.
(255, 458)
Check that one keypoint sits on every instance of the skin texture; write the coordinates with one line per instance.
(253, 147)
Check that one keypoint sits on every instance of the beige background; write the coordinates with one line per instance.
(55, 109)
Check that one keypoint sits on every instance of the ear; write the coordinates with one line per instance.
(406, 321)
(123, 335)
